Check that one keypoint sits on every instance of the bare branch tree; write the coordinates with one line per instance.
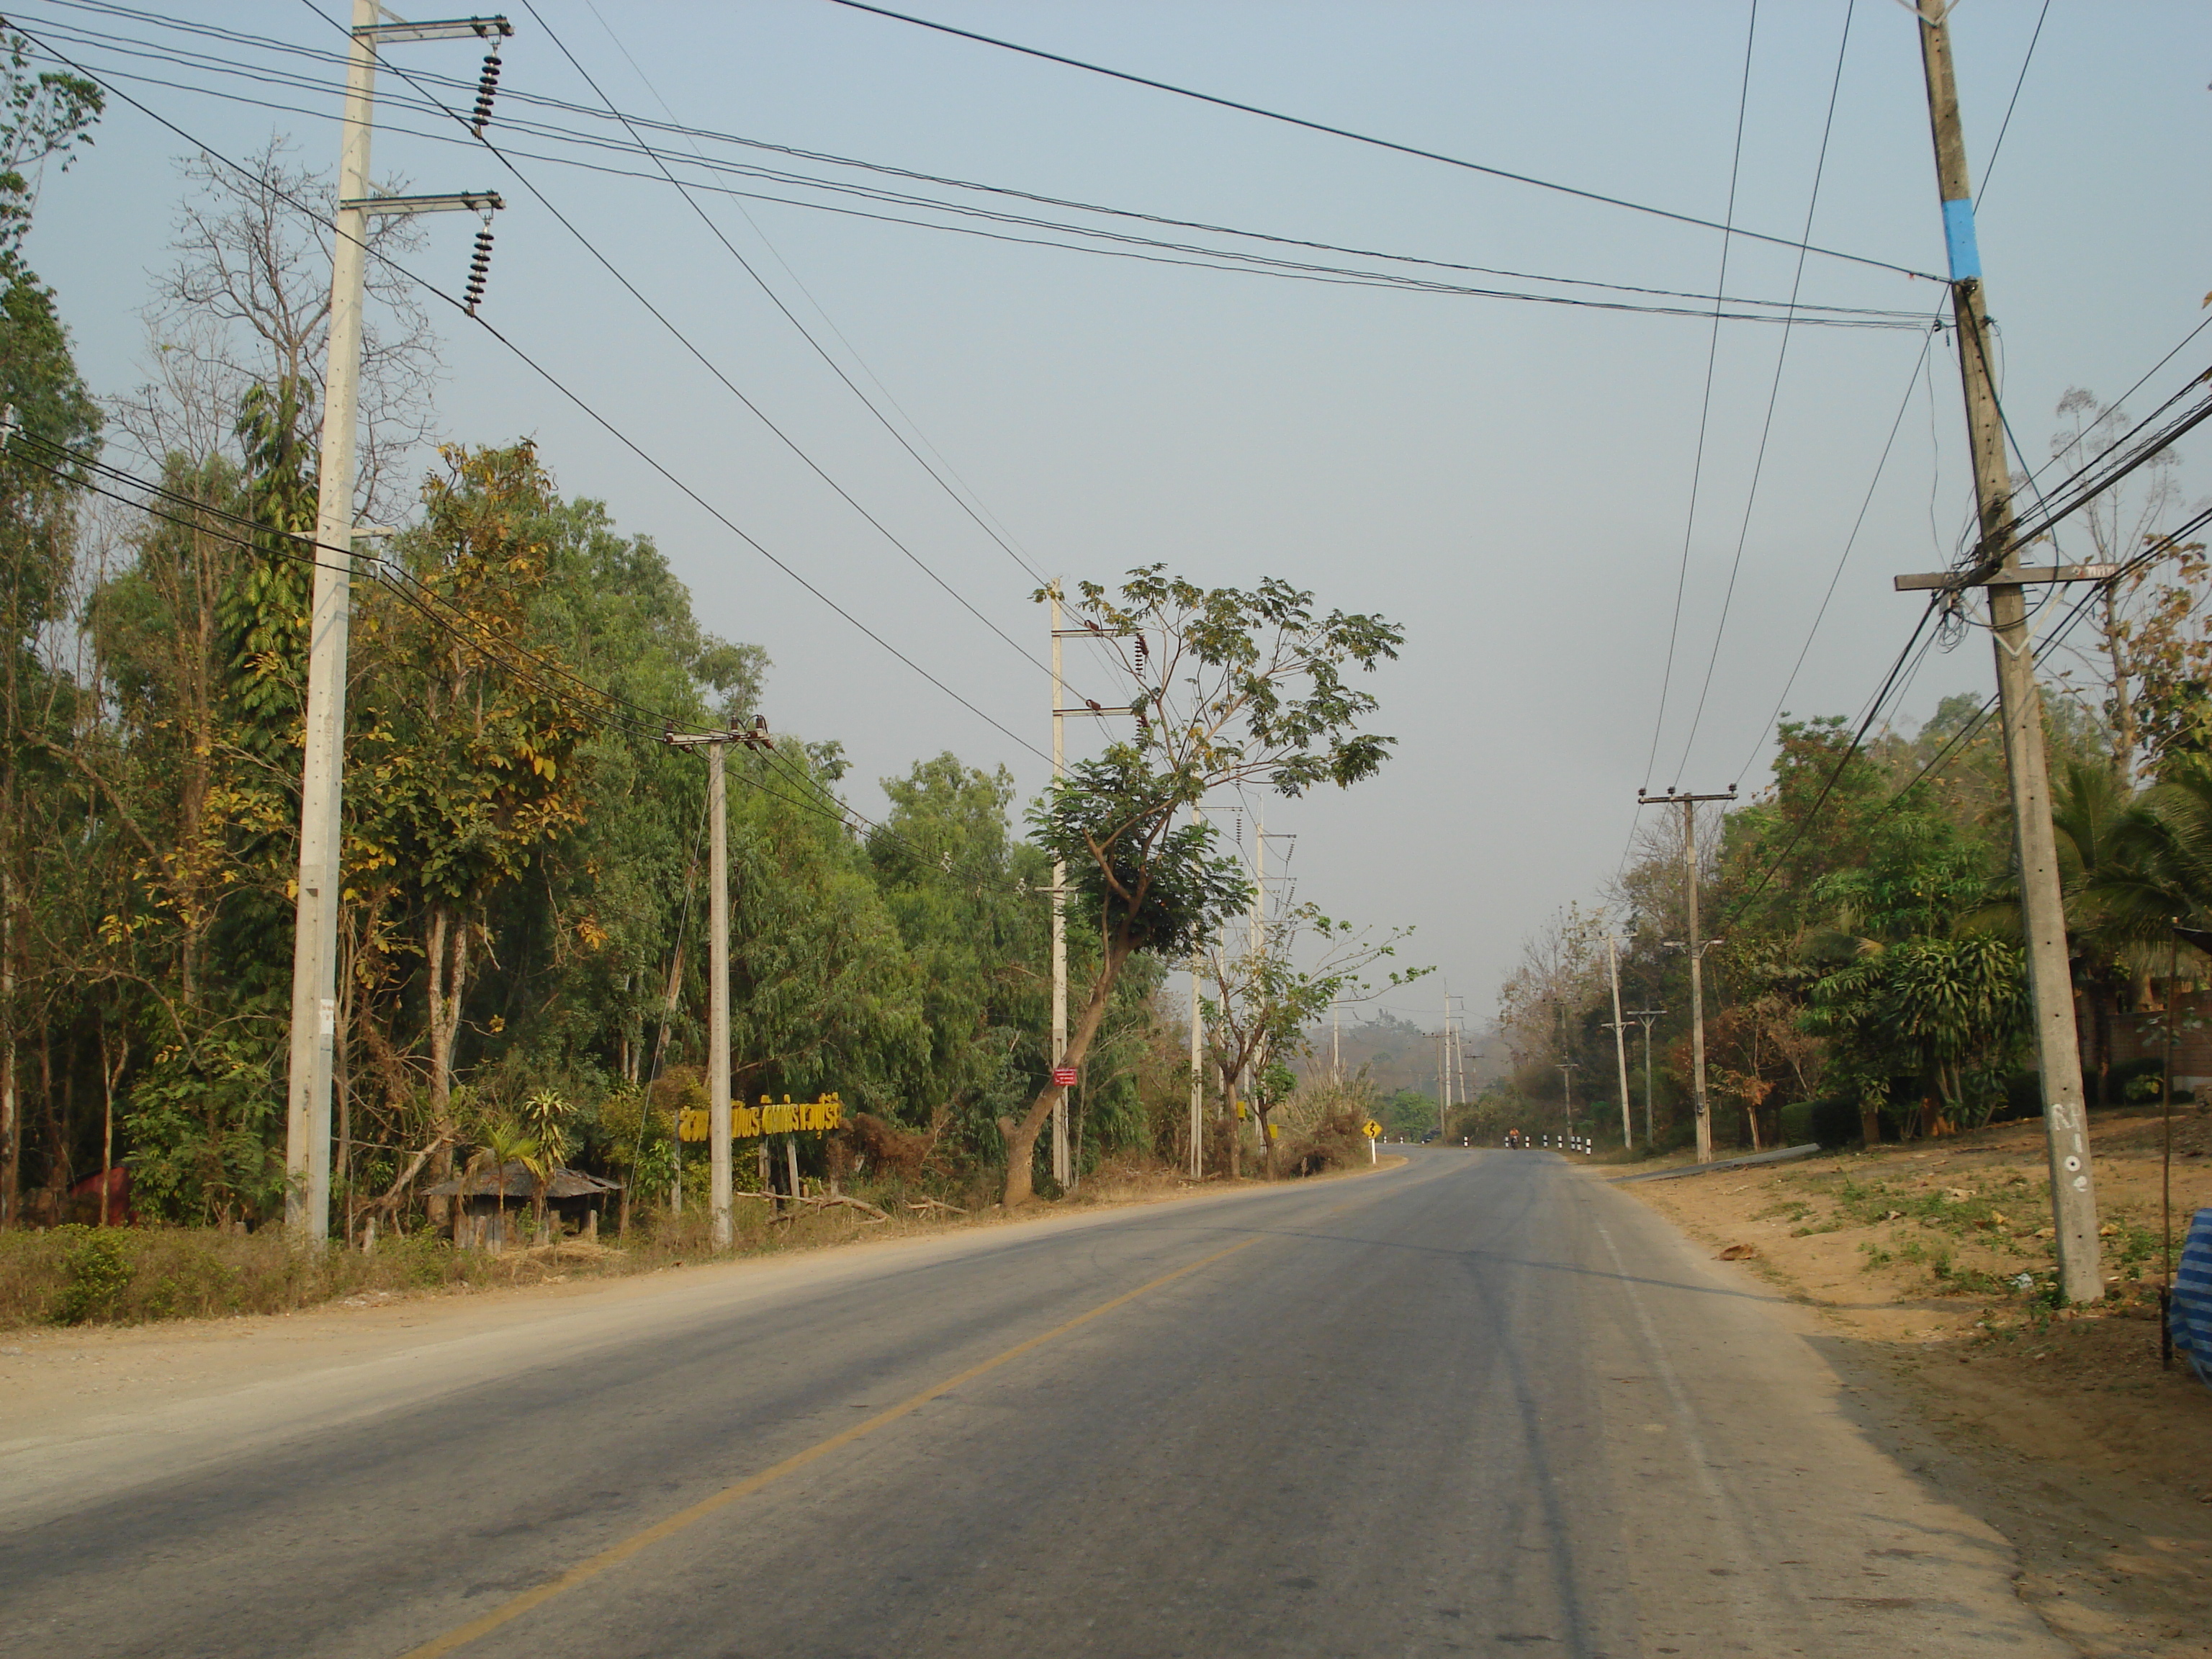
(244, 300)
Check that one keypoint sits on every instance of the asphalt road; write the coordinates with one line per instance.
(1482, 1404)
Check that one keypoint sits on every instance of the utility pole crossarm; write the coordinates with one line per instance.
(451, 28)
(467, 201)
(1956, 581)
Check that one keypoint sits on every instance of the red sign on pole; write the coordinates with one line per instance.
(1064, 1076)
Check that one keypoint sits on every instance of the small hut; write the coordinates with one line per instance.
(493, 1207)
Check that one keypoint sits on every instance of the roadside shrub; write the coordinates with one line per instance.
(869, 1146)
(1334, 1142)
(1832, 1122)
(2132, 1082)
(95, 1275)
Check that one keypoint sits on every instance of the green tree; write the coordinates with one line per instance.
(1241, 687)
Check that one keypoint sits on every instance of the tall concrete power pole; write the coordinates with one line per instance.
(1060, 1170)
(1619, 1035)
(315, 919)
(716, 745)
(718, 994)
(2051, 985)
(1696, 947)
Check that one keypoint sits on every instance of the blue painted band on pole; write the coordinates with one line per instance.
(1959, 239)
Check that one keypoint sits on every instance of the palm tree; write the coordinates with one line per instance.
(546, 1113)
(503, 1143)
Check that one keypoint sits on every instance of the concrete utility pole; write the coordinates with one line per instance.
(1197, 1060)
(1255, 942)
(716, 743)
(315, 922)
(1696, 950)
(1644, 1017)
(1060, 1158)
(1444, 1069)
(1197, 1078)
(1336, 1045)
(1063, 1167)
(718, 994)
(2058, 1041)
(1567, 1070)
(1620, 1036)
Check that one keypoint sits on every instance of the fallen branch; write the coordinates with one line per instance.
(934, 1204)
(390, 1201)
(785, 1198)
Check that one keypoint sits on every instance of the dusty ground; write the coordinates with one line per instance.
(1931, 1266)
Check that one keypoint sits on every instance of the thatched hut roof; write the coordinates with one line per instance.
(521, 1184)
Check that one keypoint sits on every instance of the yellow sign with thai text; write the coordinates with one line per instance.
(790, 1117)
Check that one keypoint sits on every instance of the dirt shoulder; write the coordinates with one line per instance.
(1930, 1267)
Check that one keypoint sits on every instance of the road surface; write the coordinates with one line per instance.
(1482, 1404)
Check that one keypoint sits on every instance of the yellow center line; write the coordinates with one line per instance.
(591, 1567)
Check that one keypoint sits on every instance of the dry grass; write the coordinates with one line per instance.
(129, 1275)
(76, 1275)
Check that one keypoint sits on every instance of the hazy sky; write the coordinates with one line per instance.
(1509, 480)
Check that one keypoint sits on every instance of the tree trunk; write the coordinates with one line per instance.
(1267, 1139)
(11, 1109)
(1021, 1136)
(448, 955)
(1870, 1123)
(1230, 1104)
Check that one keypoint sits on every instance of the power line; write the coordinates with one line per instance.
(1858, 738)
(1202, 257)
(2056, 634)
(2005, 125)
(1182, 255)
(1850, 541)
(995, 526)
(1378, 144)
(777, 299)
(706, 362)
(1773, 397)
(521, 664)
(573, 397)
(1705, 409)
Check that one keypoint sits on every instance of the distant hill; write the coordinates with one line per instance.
(1398, 1053)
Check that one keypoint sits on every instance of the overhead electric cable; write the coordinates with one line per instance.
(1704, 406)
(1858, 738)
(2013, 102)
(1203, 257)
(713, 369)
(1378, 144)
(1850, 541)
(777, 299)
(574, 398)
(1117, 246)
(518, 662)
(2056, 634)
(1773, 397)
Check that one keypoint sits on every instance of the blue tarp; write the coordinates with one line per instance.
(2192, 1319)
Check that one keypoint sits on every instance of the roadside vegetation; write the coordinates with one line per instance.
(1865, 981)
(522, 992)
